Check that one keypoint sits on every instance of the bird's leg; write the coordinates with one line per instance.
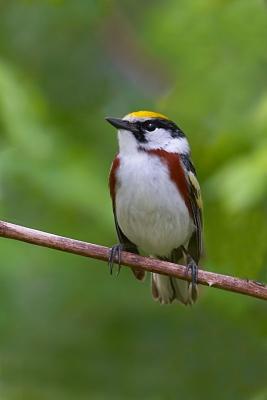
(193, 268)
(115, 256)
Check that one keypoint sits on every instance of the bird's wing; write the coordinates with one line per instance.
(195, 246)
(127, 244)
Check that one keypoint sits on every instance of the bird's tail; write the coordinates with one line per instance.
(166, 289)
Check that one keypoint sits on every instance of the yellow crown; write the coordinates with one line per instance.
(146, 114)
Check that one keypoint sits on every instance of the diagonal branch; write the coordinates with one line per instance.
(39, 238)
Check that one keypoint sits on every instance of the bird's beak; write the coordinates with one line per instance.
(120, 123)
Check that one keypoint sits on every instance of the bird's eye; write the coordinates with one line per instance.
(149, 126)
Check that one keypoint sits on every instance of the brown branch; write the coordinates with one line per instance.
(232, 284)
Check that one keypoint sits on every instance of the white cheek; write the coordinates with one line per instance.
(180, 144)
(162, 139)
(158, 137)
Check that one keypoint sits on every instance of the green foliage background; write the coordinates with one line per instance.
(67, 329)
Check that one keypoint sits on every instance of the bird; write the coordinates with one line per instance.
(156, 201)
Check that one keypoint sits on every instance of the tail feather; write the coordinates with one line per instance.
(163, 288)
(155, 292)
(166, 289)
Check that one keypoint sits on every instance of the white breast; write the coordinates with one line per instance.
(149, 207)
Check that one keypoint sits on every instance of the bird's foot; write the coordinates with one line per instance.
(193, 268)
(115, 256)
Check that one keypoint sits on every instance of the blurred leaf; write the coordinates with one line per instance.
(19, 109)
(243, 183)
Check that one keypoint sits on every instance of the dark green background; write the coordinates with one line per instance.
(67, 329)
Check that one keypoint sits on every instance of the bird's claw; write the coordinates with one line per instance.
(115, 256)
(193, 268)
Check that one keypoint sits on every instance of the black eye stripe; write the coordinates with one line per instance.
(151, 125)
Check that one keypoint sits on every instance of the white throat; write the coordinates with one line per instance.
(127, 142)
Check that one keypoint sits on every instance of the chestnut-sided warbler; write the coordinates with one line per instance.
(156, 200)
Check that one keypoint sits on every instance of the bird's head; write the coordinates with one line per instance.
(147, 130)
